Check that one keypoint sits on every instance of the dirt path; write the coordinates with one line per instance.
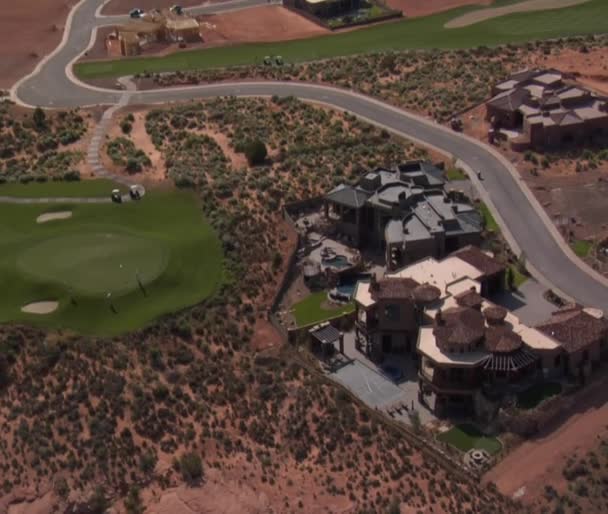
(540, 461)
(530, 5)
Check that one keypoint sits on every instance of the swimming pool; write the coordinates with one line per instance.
(339, 261)
(348, 285)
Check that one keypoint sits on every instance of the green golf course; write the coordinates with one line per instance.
(109, 267)
(417, 33)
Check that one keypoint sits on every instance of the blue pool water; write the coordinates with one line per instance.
(339, 261)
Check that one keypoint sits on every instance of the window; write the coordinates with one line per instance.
(557, 361)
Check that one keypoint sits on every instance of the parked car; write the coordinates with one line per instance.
(116, 196)
(177, 9)
(136, 13)
(278, 60)
(267, 60)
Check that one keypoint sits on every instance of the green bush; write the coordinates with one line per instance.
(256, 152)
(191, 467)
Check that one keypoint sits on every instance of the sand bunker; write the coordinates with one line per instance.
(530, 5)
(51, 216)
(40, 307)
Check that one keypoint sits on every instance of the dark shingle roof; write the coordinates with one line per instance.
(347, 196)
(326, 334)
(480, 260)
(574, 328)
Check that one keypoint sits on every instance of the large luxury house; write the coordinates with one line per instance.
(389, 311)
(469, 348)
(404, 212)
(547, 110)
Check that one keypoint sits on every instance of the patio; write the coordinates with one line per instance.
(392, 386)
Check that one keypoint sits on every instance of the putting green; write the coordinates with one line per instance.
(155, 257)
(96, 263)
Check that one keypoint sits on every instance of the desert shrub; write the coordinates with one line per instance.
(256, 152)
(191, 467)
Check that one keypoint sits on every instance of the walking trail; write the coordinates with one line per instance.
(530, 5)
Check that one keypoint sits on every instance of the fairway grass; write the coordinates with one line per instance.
(418, 33)
(84, 188)
(111, 267)
(465, 437)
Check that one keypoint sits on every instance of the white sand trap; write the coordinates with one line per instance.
(40, 307)
(51, 216)
(530, 5)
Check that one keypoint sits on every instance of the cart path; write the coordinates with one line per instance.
(473, 17)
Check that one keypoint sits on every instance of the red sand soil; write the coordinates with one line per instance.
(590, 69)
(124, 6)
(416, 8)
(265, 23)
(29, 30)
(540, 461)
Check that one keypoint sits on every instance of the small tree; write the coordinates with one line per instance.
(98, 503)
(256, 152)
(191, 467)
(39, 119)
(133, 503)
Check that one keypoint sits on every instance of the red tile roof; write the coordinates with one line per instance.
(480, 260)
(574, 328)
(393, 288)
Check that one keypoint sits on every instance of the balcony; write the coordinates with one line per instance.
(447, 385)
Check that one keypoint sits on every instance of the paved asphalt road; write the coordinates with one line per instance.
(52, 88)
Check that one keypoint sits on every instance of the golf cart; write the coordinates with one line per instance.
(134, 193)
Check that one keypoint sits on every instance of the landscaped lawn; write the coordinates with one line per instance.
(311, 309)
(427, 32)
(518, 277)
(84, 188)
(466, 437)
(581, 248)
(490, 222)
(530, 398)
(111, 267)
(456, 174)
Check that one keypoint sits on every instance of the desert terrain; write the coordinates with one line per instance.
(540, 461)
(29, 30)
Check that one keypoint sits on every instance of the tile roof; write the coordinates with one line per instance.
(469, 298)
(574, 328)
(393, 288)
(501, 339)
(480, 260)
(458, 326)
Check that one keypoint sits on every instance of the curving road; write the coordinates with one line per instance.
(523, 220)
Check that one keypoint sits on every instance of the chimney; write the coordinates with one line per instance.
(439, 318)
